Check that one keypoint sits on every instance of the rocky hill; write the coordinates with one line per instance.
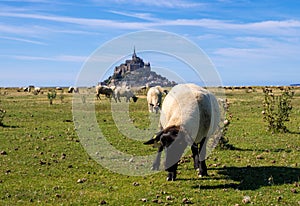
(135, 72)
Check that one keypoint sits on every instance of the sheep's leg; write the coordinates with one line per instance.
(195, 152)
(202, 152)
(151, 108)
(172, 172)
(98, 97)
(156, 163)
(173, 155)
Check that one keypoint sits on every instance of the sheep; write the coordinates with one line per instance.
(102, 89)
(73, 89)
(154, 98)
(124, 92)
(189, 115)
(36, 90)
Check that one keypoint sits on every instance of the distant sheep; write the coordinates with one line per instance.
(102, 89)
(73, 89)
(189, 115)
(124, 92)
(154, 98)
(28, 89)
(36, 90)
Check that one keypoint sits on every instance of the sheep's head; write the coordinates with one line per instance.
(134, 98)
(165, 137)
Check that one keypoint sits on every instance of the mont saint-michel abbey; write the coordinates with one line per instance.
(135, 72)
(130, 65)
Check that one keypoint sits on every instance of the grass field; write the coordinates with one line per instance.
(43, 162)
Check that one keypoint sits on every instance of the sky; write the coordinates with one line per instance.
(249, 42)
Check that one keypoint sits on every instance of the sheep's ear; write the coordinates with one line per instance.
(151, 141)
(155, 138)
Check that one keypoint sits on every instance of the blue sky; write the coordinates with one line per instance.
(46, 42)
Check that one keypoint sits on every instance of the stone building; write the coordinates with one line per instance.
(135, 72)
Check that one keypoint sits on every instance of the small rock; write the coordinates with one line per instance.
(293, 190)
(246, 200)
(136, 184)
(58, 195)
(144, 200)
(155, 200)
(259, 157)
(3, 153)
(169, 197)
(279, 198)
(81, 180)
(103, 202)
(42, 162)
(186, 201)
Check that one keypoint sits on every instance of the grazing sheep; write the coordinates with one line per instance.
(154, 98)
(73, 89)
(36, 90)
(189, 115)
(124, 92)
(102, 89)
(28, 89)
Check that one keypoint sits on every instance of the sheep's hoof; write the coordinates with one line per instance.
(171, 176)
(202, 175)
(170, 179)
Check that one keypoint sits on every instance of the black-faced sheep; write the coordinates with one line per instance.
(73, 89)
(124, 92)
(189, 115)
(154, 98)
(102, 89)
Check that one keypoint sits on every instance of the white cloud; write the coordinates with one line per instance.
(155, 3)
(22, 40)
(61, 58)
(78, 21)
(284, 27)
(144, 16)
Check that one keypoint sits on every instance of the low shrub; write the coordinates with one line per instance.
(277, 108)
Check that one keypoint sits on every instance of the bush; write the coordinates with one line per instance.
(2, 114)
(277, 108)
(51, 96)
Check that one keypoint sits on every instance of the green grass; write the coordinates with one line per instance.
(45, 158)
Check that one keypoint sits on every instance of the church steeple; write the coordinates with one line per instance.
(134, 54)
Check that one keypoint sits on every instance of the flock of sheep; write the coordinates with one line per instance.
(189, 115)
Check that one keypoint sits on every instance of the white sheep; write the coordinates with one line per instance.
(154, 98)
(189, 115)
(36, 90)
(124, 92)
